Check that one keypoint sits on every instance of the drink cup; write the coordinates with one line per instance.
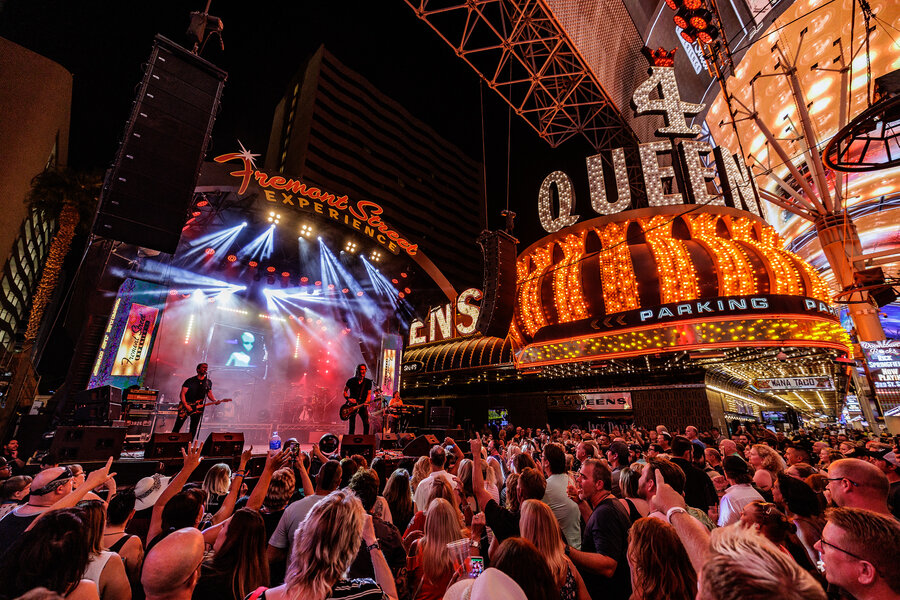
(459, 552)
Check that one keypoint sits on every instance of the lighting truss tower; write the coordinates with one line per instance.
(519, 48)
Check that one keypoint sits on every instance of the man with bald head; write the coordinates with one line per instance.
(727, 448)
(856, 483)
(51, 489)
(172, 567)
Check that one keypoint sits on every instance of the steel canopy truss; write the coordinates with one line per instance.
(520, 50)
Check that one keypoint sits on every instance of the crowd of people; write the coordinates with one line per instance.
(511, 514)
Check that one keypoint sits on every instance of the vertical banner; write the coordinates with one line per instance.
(389, 364)
(129, 336)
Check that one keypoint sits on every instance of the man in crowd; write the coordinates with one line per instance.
(886, 461)
(602, 561)
(585, 450)
(556, 497)
(740, 492)
(693, 435)
(714, 461)
(327, 480)
(365, 486)
(796, 454)
(617, 457)
(11, 454)
(856, 483)
(698, 487)
(172, 567)
(861, 552)
(728, 448)
(437, 458)
(673, 475)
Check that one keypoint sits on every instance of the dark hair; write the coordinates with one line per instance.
(656, 448)
(182, 509)
(348, 468)
(437, 455)
(680, 445)
(556, 458)
(737, 469)
(600, 472)
(522, 461)
(365, 486)
(533, 483)
(799, 498)
(329, 476)
(53, 554)
(243, 553)
(699, 452)
(49, 460)
(620, 449)
(672, 473)
(399, 498)
(518, 558)
(94, 517)
(14, 484)
(589, 448)
(119, 508)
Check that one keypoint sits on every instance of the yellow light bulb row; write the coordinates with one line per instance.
(620, 291)
(787, 279)
(734, 269)
(530, 298)
(677, 276)
(567, 293)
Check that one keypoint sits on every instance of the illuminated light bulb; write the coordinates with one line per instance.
(819, 87)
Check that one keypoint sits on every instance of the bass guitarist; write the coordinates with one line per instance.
(358, 391)
(194, 392)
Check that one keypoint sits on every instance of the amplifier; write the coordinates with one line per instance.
(141, 395)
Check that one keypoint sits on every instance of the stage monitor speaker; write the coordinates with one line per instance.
(148, 193)
(388, 441)
(405, 438)
(420, 446)
(166, 445)
(81, 443)
(223, 444)
(441, 416)
(363, 444)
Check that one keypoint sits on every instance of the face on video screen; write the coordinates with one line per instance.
(236, 347)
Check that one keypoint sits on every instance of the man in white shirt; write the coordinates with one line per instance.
(438, 458)
(740, 493)
(553, 462)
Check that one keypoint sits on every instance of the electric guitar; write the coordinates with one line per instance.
(184, 413)
(348, 408)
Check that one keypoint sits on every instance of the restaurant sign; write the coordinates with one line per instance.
(819, 384)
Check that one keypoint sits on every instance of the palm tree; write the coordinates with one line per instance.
(70, 197)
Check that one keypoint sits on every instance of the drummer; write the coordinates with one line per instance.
(394, 411)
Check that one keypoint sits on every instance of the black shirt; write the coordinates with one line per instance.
(391, 543)
(503, 522)
(606, 533)
(197, 389)
(699, 490)
(359, 390)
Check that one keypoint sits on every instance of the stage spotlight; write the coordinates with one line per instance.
(231, 258)
(407, 290)
(345, 290)
(351, 246)
(202, 203)
(270, 269)
(359, 293)
(330, 286)
(404, 275)
(244, 224)
(210, 251)
(401, 295)
(304, 279)
(274, 218)
(285, 274)
(253, 264)
(395, 281)
(375, 256)
(306, 230)
(318, 283)
(196, 213)
(173, 292)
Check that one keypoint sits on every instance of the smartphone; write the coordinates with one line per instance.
(476, 566)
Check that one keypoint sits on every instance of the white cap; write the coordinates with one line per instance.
(493, 584)
(148, 490)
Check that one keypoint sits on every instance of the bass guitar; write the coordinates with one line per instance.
(184, 413)
(348, 409)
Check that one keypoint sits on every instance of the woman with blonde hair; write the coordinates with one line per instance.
(660, 567)
(421, 470)
(539, 525)
(767, 464)
(325, 544)
(430, 565)
(440, 488)
(216, 485)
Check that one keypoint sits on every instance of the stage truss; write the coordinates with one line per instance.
(522, 52)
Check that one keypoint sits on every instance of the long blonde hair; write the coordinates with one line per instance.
(771, 460)
(324, 546)
(539, 526)
(441, 528)
(217, 480)
(421, 470)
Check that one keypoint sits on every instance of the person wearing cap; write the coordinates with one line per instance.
(740, 492)
(493, 584)
(887, 462)
(858, 484)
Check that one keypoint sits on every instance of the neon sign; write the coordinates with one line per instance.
(448, 321)
(362, 215)
(696, 181)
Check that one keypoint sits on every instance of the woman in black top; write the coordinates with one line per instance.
(239, 565)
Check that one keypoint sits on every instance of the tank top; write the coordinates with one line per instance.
(96, 565)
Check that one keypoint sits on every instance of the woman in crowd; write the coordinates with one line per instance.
(348, 468)
(281, 488)
(54, 555)
(774, 526)
(539, 526)
(766, 463)
(440, 488)
(828, 456)
(801, 506)
(325, 544)
(628, 484)
(13, 492)
(430, 565)
(239, 564)
(129, 547)
(399, 498)
(518, 558)
(216, 485)
(421, 470)
(105, 568)
(521, 461)
(512, 492)
(660, 567)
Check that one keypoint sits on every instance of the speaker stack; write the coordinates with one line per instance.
(166, 445)
(420, 446)
(147, 195)
(358, 444)
(85, 443)
(223, 445)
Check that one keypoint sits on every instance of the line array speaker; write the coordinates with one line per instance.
(148, 192)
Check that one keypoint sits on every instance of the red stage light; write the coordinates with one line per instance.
(402, 274)
(689, 34)
(231, 258)
(196, 213)
(210, 251)
(708, 35)
(304, 279)
(700, 19)
(359, 293)
(407, 290)
(285, 274)
(270, 269)
(345, 290)
(693, 4)
(318, 283)
(203, 203)
(253, 264)
(394, 281)
(173, 292)
(330, 286)
(681, 18)
(401, 295)
(673, 4)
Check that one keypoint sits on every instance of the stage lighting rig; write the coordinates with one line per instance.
(204, 26)
(274, 218)
(351, 247)
(306, 230)
(694, 20)
(375, 256)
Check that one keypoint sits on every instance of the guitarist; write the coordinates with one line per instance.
(194, 392)
(358, 390)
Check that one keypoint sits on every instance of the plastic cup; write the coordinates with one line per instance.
(459, 552)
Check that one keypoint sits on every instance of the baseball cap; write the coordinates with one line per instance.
(885, 454)
(148, 490)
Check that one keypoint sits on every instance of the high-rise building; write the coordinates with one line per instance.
(335, 130)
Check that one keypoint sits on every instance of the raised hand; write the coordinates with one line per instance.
(666, 497)
(476, 446)
(192, 456)
(246, 455)
(276, 460)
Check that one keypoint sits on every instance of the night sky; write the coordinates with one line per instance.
(104, 45)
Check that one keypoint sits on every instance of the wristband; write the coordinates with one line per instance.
(672, 511)
(373, 546)
(237, 474)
